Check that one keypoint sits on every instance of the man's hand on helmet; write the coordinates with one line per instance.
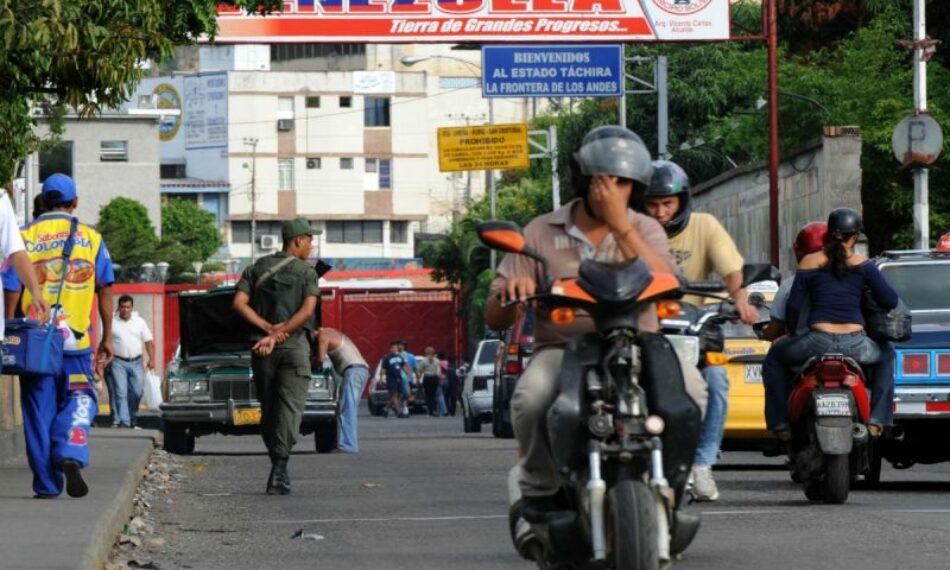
(609, 199)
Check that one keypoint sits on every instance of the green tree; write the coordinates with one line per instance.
(87, 55)
(128, 232)
(186, 223)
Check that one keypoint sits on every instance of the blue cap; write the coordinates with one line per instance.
(59, 189)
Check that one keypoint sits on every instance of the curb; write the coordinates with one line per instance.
(111, 522)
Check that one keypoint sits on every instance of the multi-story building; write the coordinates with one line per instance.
(341, 134)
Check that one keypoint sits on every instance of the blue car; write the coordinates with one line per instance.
(922, 373)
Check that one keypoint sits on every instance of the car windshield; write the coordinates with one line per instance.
(921, 286)
(487, 353)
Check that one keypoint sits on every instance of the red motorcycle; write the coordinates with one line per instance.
(829, 410)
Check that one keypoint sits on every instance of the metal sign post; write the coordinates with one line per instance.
(645, 86)
(547, 148)
(921, 174)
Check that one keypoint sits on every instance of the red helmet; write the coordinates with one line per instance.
(810, 238)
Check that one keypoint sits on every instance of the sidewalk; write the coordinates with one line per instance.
(71, 533)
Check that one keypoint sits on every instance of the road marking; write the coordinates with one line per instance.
(393, 519)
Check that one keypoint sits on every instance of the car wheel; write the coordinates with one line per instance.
(476, 424)
(325, 437)
(177, 439)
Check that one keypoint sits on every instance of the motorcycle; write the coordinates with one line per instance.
(623, 473)
(828, 409)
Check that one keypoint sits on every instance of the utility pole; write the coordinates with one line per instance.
(774, 157)
(252, 142)
(491, 181)
(921, 173)
(657, 84)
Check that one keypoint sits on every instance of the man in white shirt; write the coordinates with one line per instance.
(131, 338)
(14, 254)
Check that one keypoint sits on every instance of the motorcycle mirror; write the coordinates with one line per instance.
(756, 272)
(503, 236)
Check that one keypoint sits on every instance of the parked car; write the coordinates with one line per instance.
(745, 420)
(209, 386)
(379, 396)
(511, 360)
(921, 433)
(477, 388)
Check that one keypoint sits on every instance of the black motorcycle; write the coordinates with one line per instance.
(623, 471)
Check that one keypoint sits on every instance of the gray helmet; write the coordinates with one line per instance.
(844, 222)
(669, 179)
(615, 151)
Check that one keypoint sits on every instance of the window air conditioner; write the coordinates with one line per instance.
(313, 163)
(285, 124)
(270, 241)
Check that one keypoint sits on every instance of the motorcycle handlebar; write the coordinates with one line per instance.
(712, 286)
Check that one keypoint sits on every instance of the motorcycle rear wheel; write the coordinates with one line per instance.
(837, 479)
(631, 527)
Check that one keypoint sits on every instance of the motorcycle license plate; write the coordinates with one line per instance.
(833, 405)
(246, 417)
(753, 373)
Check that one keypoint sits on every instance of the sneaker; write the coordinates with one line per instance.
(75, 485)
(703, 486)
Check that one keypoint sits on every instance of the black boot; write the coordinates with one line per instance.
(271, 487)
(280, 481)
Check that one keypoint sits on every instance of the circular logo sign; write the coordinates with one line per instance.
(168, 98)
(682, 7)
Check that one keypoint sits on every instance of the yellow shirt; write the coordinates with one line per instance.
(703, 248)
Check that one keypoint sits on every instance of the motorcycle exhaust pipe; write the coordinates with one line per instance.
(597, 488)
(860, 434)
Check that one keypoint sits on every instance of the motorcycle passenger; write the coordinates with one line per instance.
(599, 225)
(701, 246)
(835, 279)
(777, 378)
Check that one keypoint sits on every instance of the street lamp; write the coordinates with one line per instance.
(197, 265)
(760, 103)
(700, 144)
(409, 61)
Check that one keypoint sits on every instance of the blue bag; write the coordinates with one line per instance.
(33, 348)
(24, 346)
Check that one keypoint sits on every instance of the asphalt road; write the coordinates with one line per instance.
(423, 495)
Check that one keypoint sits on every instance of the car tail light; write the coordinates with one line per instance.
(513, 359)
(917, 364)
(943, 364)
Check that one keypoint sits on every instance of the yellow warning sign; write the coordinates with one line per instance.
(483, 147)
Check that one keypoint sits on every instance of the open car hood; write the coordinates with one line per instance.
(210, 325)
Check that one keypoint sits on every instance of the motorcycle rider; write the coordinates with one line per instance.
(776, 378)
(701, 246)
(599, 225)
(835, 279)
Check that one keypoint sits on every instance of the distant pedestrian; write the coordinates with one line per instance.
(430, 370)
(396, 368)
(452, 388)
(58, 409)
(349, 363)
(133, 341)
(408, 379)
(278, 295)
(443, 383)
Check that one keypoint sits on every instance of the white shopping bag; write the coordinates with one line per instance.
(152, 393)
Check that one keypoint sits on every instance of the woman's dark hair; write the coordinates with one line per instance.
(39, 206)
(837, 255)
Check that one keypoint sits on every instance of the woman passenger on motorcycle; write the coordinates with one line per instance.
(835, 279)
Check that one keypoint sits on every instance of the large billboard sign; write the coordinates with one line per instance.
(417, 21)
(206, 110)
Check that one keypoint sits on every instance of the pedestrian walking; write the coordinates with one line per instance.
(430, 370)
(132, 340)
(396, 368)
(58, 409)
(278, 295)
(443, 383)
(349, 363)
(408, 378)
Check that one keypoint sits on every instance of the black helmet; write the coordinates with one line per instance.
(844, 222)
(610, 150)
(669, 179)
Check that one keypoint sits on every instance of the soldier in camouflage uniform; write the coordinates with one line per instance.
(279, 295)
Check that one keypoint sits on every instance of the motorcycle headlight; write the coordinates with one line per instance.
(687, 347)
(199, 387)
(179, 387)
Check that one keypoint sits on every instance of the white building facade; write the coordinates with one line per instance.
(343, 135)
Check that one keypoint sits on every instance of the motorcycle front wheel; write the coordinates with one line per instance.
(631, 527)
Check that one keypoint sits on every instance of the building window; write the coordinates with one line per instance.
(346, 101)
(285, 107)
(241, 231)
(313, 102)
(376, 112)
(371, 165)
(289, 52)
(167, 171)
(346, 163)
(285, 173)
(114, 151)
(56, 158)
(355, 232)
(398, 232)
(385, 174)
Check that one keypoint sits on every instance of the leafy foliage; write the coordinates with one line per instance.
(186, 223)
(86, 55)
(128, 232)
